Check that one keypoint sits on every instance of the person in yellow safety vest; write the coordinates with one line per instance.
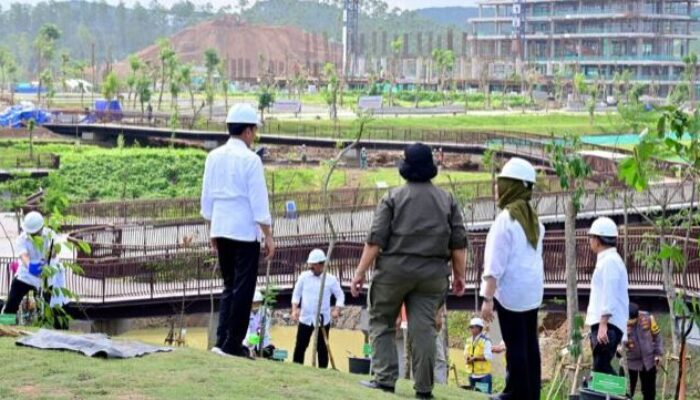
(478, 355)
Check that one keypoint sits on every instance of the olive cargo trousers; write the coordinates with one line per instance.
(422, 299)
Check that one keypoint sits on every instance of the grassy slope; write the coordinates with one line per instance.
(553, 123)
(183, 374)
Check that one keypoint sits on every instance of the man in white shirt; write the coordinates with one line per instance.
(608, 307)
(234, 198)
(514, 277)
(305, 303)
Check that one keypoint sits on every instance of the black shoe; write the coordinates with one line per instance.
(424, 395)
(377, 385)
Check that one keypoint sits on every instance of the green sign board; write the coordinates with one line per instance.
(279, 355)
(609, 384)
(367, 349)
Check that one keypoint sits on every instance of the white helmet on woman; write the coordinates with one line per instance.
(519, 169)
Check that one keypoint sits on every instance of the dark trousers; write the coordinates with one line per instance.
(238, 262)
(523, 376)
(603, 354)
(488, 379)
(18, 290)
(648, 378)
(304, 333)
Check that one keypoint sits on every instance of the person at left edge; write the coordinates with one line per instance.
(33, 248)
(235, 200)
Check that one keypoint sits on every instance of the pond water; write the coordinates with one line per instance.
(342, 342)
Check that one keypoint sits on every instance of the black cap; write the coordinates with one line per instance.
(418, 164)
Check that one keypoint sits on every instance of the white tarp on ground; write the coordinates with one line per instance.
(91, 344)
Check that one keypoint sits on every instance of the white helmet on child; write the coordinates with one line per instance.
(476, 322)
(33, 222)
(519, 169)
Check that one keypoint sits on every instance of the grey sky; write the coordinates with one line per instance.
(405, 4)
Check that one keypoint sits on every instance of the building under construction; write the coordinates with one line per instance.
(598, 38)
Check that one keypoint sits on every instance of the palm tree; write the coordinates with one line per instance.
(396, 47)
(44, 44)
(110, 89)
(135, 65)
(186, 81)
(211, 62)
(166, 53)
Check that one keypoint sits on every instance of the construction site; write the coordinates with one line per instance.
(554, 39)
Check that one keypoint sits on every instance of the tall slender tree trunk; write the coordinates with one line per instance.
(571, 275)
(162, 84)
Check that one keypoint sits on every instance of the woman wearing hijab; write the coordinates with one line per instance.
(514, 278)
(417, 230)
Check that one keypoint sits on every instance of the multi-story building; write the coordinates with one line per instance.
(598, 38)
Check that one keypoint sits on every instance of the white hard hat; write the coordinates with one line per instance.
(476, 322)
(519, 169)
(258, 297)
(604, 227)
(316, 256)
(243, 114)
(33, 222)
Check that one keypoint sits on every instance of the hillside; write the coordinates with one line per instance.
(117, 31)
(182, 374)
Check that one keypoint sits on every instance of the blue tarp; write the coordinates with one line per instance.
(17, 116)
(28, 88)
(108, 110)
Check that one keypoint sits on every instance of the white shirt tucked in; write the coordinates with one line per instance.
(609, 294)
(234, 194)
(517, 267)
(306, 293)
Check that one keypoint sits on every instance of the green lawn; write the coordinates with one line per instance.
(304, 179)
(543, 124)
(90, 173)
(183, 374)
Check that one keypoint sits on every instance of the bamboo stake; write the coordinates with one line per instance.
(576, 372)
(328, 347)
(557, 371)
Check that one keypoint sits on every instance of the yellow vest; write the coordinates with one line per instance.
(475, 348)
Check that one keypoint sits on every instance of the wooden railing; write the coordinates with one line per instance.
(192, 272)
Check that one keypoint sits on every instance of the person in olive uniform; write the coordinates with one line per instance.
(417, 229)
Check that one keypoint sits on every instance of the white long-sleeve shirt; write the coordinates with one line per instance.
(517, 267)
(306, 293)
(234, 194)
(609, 291)
(25, 246)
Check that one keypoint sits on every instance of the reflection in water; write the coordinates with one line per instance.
(342, 343)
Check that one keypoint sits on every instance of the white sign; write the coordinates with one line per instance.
(312, 89)
(370, 102)
(287, 106)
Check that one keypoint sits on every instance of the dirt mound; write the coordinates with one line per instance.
(241, 45)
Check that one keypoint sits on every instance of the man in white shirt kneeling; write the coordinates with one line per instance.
(608, 307)
(305, 303)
